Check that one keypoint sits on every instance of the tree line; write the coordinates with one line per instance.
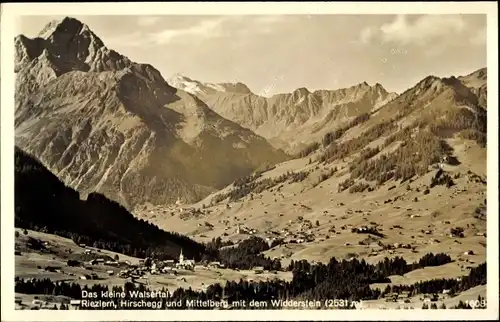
(43, 203)
(346, 279)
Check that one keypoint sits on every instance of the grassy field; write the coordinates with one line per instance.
(31, 264)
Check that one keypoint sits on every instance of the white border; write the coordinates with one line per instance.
(11, 10)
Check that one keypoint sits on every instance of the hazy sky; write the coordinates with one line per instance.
(275, 54)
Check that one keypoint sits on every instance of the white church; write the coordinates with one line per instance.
(185, 263)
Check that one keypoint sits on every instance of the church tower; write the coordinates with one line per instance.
(181, 257)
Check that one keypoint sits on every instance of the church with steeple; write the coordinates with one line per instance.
(181, 257)
(185, 263)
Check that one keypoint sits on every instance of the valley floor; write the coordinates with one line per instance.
(315, 223)
(404, 213)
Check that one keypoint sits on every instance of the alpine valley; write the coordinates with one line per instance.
(213, 192)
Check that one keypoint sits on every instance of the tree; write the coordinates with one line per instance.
(443, 306)
(434, 306)
(25, 232)
(317, 223)
(16, 234)
(116, 257)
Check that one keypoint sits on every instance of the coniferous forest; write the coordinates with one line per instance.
(43, 203)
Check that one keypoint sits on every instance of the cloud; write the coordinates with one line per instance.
(422, 31)
(134, 39)
(367, 34)
(145, 21)
(198, 28)
(213, 27)
(479, 37)
(206, 28)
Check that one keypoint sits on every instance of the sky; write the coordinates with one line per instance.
(280, 53)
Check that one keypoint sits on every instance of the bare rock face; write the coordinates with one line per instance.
(103, 123)
(289, 120)
(477, 82)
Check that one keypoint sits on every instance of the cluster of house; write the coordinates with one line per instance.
(245, 230)
(303, 234)
(155, 267)
(178, 207)
(403, 297)
(101, 261)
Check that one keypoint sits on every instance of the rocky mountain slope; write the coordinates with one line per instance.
(412, 173)
(103, 123)
(292, 120)
(477, 82)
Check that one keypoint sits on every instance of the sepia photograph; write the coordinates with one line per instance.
(277, 161)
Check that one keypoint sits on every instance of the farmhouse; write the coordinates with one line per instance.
(75, 304)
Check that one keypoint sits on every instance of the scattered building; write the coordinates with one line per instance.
(258, 270)
(75, 304)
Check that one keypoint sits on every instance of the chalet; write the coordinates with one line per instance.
(391, 297)
(51, 269)
(110, 272)
(87, 251)
(403, 295)
(431, 297)
(100, 260)
(469, 252)
(75, 304)
(37, 302)
(258, 270)
(215, 265)
(111, 263)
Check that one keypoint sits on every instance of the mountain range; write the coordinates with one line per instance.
(103, 123)
(126, 165)
(290, 121)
